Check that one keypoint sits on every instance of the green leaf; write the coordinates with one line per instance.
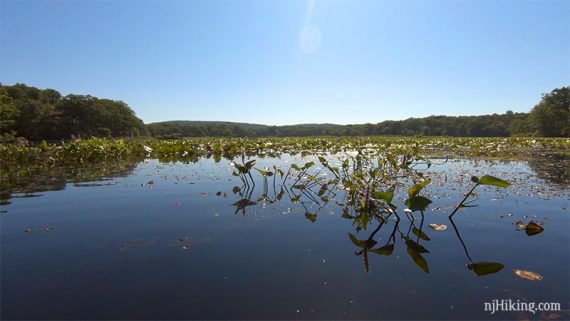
(323, 161)
(491, 180)
(484, 268)
(420, 234)
(532, 228)
(385, 250)
(311, 217)
(385, 196)
(249, 165)
(308, 165)
(242, 169)
(262, 172)
(345, 164)
(365, 244)
(393, 162)
(294, 166)
(418, 203)
(415, 189)
(418, 259)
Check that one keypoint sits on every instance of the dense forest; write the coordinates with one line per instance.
(37, 114)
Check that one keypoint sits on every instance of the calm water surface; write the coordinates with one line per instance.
(167, 241)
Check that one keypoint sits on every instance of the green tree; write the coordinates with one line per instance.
(8, 114)
(551, 117)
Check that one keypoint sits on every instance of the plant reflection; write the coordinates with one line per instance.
(364, 187)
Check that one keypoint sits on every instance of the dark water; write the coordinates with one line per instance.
(163, 241)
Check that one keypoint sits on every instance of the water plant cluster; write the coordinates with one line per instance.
(372, 188)
(97, 149)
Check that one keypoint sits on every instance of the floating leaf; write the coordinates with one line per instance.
(385, 250)
(420, 234)
(528, 275)
(418, 203)
(491, 180)
(532, 228)
(415, 189)
(438, 227)
(418, 259)
(484, 268)
(520, 225)
(385, 196)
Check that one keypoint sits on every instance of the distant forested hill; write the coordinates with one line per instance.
(45, 114)
(479, 126)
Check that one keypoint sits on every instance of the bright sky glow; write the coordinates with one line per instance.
(289, 62)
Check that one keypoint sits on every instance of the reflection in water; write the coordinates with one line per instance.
(209, 259)
(480, 268)
(553, 168)
(356, 190)
(28, 180)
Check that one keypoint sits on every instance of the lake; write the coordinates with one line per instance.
(175, 240)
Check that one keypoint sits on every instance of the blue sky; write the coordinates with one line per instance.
(288, 62)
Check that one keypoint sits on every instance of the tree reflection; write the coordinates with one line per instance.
(553, 168)
(27, 181)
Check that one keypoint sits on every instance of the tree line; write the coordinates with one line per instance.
(37, 114)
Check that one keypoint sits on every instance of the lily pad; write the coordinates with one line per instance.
(532, 229)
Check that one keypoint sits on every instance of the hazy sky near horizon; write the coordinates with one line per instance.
(288, 62)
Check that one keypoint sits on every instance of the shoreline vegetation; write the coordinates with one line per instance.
(193, 149)
(44, 114)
